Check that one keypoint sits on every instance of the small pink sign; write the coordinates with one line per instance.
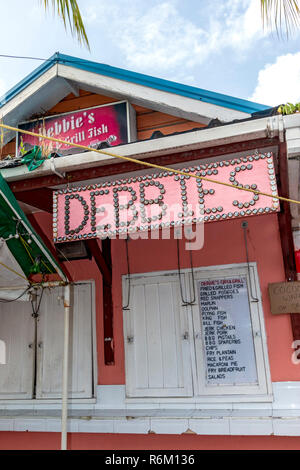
(107, 125)
(166, 199)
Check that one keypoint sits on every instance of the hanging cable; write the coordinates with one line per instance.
(126, 307)
(185, 302)
(36, 306)
(51, 60)
(35, 314)
(17, 298)
(244, 227)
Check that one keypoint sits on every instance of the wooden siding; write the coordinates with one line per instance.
(148, 121)
(8, 149)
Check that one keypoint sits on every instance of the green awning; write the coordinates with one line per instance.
(22, 251)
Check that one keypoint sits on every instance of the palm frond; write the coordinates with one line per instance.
(68, 11)
(283, 15)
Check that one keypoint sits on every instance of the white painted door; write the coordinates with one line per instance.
(17, 332)
(50, 343)
(157, 338)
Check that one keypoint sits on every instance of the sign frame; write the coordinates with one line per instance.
(169, 189)
(130, 119)
(233, 343)
(262, 391)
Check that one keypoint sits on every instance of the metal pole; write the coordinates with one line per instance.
(64, 413)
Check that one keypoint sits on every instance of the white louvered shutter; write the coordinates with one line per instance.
(17, 332)
(50, 343)
(157, 339)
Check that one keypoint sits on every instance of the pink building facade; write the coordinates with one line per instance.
(170, 348)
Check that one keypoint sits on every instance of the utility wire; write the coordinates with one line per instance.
(36, 307)
(54, 60)
(23, 57)
(14, 300)
(145, 163)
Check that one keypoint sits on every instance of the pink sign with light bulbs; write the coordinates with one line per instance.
(166, 199)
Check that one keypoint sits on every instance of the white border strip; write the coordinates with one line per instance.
(260, 426)
(111, 414)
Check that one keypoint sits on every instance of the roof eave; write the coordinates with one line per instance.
(187, 91)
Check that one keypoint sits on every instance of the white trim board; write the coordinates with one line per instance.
(148, 148)
(159, 100)
(111, 414)
(57, 82)
(39, 96)
(204, 138)
(111, 401)
(71, 79)
(280, 418)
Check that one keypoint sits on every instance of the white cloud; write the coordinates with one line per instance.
(159, 37)
(163, 38)
(3, 87)
(279, 82)
(237, 24)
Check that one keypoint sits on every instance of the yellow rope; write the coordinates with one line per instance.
(27, 248)
(24, 244)
(142, 162)
(13, 271)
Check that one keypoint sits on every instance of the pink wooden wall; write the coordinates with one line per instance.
(224, 244)
(79, 441)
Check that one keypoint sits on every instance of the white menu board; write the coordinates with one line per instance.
(227, 331)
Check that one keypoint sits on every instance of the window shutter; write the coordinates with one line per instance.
(157, 339)
(50, 343)
(17, 332)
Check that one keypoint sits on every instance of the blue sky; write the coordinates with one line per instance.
(218, 45)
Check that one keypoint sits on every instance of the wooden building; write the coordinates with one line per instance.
(170, 347)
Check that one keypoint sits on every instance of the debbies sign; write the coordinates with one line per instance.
(112, 124)
(165, 199)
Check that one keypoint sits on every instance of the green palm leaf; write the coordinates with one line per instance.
(280, 14)
(69, 12)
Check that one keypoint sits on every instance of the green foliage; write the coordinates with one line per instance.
(289, 108)
(36, 267)
(22, 147)
(68, 10)
(281, 14)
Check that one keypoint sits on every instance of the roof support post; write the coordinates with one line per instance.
(103, 261)
(109, 355)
